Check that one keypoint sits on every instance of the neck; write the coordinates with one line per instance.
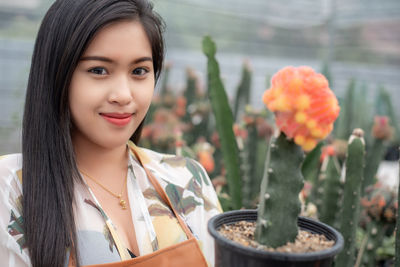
(100, 161)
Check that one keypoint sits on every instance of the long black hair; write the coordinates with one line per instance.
(49, 167)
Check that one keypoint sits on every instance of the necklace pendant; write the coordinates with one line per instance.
(122, 203)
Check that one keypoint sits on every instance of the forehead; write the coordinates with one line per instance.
(120, 39)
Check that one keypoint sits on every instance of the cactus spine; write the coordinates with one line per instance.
(332, 191)
(279, 197)
(352, 189)
(224, 122)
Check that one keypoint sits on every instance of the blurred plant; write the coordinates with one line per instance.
(243, 91)
(224, 124)
(378, 220)
(382, 132)
(181, 123)
(384, 107)
(352, 189)
(253, 137)
(161, 133)
(332, 187)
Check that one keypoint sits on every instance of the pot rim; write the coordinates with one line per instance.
(316, 255)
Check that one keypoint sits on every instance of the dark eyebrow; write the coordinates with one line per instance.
(105, 59)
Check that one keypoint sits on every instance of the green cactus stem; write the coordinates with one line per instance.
(374, 158)
(164, 81)
(376, 233)
(249, 165)
(352, 190)
(311, 173)
(243, 91)
(397, 252)
(346, 118)
(385, 107)
(332, 191)
(224, 123)
(310, 167)
(190, 91)
(279, 198)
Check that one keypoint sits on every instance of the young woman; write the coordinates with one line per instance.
(82, 193)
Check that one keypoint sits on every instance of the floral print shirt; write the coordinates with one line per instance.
(184, 180)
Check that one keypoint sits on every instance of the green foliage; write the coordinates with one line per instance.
(243, 91)
(332, 191)
(345, 120)
(375, 155)
(384, 106)
(279, 204)
(224, 123)
(352, 189)
(190, 92)
(310, 167)
(164, 81)
(375, 234)
(327, 73)
(248, 169)
(249, 166)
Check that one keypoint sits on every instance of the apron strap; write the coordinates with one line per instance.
(163, 195)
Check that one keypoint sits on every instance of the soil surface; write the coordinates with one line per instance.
(243, 233)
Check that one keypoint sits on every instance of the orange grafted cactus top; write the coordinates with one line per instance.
(305, 107)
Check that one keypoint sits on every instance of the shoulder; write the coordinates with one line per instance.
(10, 168)
(184, 176)
(11, 181)
(183, 168)
(10, 188)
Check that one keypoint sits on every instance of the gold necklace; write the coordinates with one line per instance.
(122, 202)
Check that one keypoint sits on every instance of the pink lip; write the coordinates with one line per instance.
(119, 119)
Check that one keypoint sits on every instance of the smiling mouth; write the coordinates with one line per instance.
(119, 119)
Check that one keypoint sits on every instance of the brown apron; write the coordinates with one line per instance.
(183, 254)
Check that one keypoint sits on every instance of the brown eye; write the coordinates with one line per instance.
(140, 71)
(98, 71)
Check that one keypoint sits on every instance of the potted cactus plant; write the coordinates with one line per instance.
(305, 109)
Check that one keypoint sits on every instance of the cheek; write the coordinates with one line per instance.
(145, 95)
(80, 97)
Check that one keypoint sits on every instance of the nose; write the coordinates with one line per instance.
(121, 91)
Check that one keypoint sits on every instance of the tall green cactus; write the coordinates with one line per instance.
(346, 118)
(352, 189)
(164, 81)
(243, 91)
(332, 191)
(224, 123)
(384, 106)
(279, 198)
(374, 158)
(249, 165)
(190, 90)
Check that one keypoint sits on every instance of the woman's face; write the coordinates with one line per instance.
(112, 86)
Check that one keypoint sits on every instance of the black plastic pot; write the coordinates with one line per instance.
(232, 254)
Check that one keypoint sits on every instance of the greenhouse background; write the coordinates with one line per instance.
(356, 39)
